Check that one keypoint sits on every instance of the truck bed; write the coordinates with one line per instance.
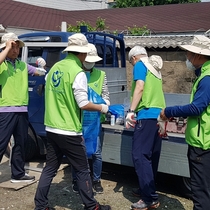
(117, 143)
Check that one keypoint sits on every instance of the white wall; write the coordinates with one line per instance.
(69, 5)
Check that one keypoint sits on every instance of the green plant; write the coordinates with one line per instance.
(135, 30)
(100, 24)
(71, 28)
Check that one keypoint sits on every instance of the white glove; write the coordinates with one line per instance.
(40, 71)
(107, 102)
(162, 127)
(130, 121)
(104, 108)
(40, 62)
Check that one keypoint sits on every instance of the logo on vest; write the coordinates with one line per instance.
(56, 78)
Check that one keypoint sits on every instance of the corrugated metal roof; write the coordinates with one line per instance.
(157, 41)
(189, 17)
(161, 19)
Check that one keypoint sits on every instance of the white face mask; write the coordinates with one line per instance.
(190, 65)
(88, 66)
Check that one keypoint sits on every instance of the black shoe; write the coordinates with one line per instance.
(97, 187)
(102, 207)
(75, 187)
(136, 192)
(25, 178)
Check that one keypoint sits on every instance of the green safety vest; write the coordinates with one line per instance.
(13, 84)
(61, 109)
(152, 96)
(197, 133)
(96, 80)
(96, 83)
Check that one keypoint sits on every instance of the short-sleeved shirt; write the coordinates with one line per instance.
(140, 73)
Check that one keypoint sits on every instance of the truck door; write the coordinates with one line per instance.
(36, 84)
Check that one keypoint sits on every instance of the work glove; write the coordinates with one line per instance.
(40, 62)
(162, 127)
(40, 71)
(129, 120)
(104, 108)
(107, 102)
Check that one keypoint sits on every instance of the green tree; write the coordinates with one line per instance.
(140, 3)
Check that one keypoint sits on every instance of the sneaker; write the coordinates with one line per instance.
(136, 192)
(97, 187)
(75, 187)
(25, 178)
(141, 205)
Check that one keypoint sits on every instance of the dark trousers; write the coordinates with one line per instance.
(16, 124)
(146, 148)
(73, 148)
(199, 163)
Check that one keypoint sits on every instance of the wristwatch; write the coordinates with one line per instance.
(130, 110)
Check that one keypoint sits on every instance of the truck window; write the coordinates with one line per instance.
(54, 54)
(33, 54)
(109, 55)
(50, 54)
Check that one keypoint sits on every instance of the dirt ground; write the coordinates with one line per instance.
(117, 181)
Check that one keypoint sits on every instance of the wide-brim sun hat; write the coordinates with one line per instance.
(200, 45)
(77, 43)
(10, 36)
(137, 50)
(154, 64)
(92, 56)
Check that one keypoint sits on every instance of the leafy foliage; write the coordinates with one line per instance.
(135, 30)
(140, 3)
(101, 26)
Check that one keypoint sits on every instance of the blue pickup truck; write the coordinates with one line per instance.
(49, 45)
(117, 141)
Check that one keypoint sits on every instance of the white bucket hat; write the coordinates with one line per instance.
(10, 36)
(77, 43)
(137, 50)
(92, 56)
(154, 64)
(200, 45)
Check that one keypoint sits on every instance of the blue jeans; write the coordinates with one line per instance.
(96, 161)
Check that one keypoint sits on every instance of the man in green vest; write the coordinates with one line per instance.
(13, 104)
(65, 98)
(98, 82)
(147, 100)
(197, 112)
